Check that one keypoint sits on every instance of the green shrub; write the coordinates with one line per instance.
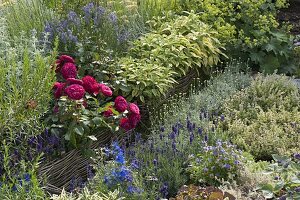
(167, 53)
(139, 78)
(249, 29)
(263, 118)
(181, 44)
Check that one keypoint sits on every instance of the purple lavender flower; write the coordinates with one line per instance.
(297, 156)
(164, 190)
(200, 131)
(222, 118)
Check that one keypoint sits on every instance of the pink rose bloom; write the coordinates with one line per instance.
(71, 81)
(105, 90)
(125, 124)
(59, 89)
(134, 119)
(133, 108)
(75, 92)
(62, 60)
(69, 70)
(90, 85)
(121, 104)
(108, 113)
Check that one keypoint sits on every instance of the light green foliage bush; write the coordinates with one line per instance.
(263, 118)
(25, 16)
(249, 29)
(168, 52)
(181, 44)
(142, 79)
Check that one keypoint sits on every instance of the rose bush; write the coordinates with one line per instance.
(84, 105)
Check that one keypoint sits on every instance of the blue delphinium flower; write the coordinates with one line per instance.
(297, 156)
(120, 158)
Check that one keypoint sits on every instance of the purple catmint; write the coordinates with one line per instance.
(100, 11)
(73, 18)
(113, 18)
(88, 10)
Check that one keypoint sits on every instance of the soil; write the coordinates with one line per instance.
(292, 15)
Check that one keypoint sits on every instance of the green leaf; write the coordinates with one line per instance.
(268, 194)
(97, 121)
(73, 140)
(79, 130)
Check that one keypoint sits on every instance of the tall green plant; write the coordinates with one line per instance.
(25, 87)
(25, 16)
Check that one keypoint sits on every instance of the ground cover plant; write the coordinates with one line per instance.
(78, 77)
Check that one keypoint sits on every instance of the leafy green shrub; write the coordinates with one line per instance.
(263, 118)
(181, 44)
(249, 30)
(142, 79)
(168, 52)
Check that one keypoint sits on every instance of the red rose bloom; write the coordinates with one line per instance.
(120, 104)
(62, 60)
(75, 92)
(108, 113)
(69, 70)
(90, 85)
(59, 89)
(105, 90)
(134, 119)
(125, 124)
(133, 108)
(71, 81)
